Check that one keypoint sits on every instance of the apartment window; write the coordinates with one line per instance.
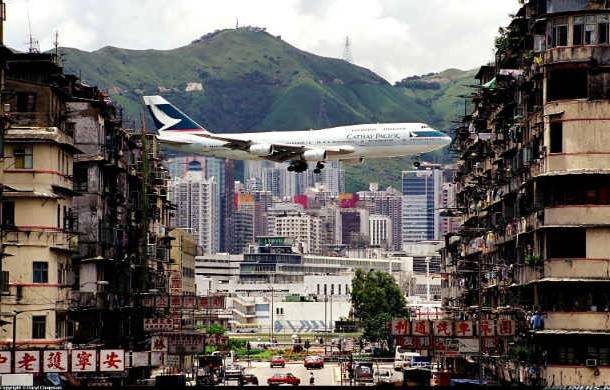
(556, 137)
(8, 213)
(590, 31)
(318, 288)
(4, 277)
(346, 289)
(332, 289)
(40, 272)
(567, 84)
(58, 216)
(339, 287)
(39, 327)
(23, 157)
(279, 310)
(26, 102)
(325, 290)
(578, 30)
(566, 243)
(560, 35)
(602, 29)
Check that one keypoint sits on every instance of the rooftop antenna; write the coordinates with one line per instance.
(236, 23)
(347, 51)
(33, 46)
(56, 48)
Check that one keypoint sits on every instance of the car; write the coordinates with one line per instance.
(363, 372)
(383, 376)
(277, 361)
(249, 379)
(313, 362)
(288, 379)
(234, 372)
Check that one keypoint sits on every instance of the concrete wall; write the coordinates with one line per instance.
(577, 320)
(563, 375)
(577, 215)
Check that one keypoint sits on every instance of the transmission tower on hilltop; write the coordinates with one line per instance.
(347, 51)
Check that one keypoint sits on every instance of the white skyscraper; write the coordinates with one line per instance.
(380, 230)
(196, 203)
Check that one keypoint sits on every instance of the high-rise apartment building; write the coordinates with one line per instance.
(195, 197)
(421, 190)
(533, 187)
(387, 202)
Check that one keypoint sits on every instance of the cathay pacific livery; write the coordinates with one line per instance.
(356, 143)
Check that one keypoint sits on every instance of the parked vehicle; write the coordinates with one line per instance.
(363, 371)
(383, 376)
(313, 362)
(277, 361)
(246, 328)
(234, 372)
(403, 358)
(288, 379)
(249, 379)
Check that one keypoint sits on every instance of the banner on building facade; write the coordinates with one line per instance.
(76, 360)
(176, 301)
(449, 328)
(158, 324)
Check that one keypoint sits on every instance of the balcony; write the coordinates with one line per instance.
(527, 274)
(589, 320)
(577, 215)
(577, 268)
(572, 54)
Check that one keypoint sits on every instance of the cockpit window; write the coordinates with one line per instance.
(428, 133)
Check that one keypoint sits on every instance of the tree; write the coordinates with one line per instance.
(376, 300)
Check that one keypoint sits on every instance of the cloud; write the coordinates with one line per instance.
(394, 38)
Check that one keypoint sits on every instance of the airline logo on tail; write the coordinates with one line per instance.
(169, 118)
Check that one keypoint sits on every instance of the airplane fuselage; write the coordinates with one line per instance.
(367, 141)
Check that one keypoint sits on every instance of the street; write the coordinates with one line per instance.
(330, 375)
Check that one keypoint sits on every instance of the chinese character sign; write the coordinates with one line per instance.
(112, 360)
(84, 360)
(5, 362)
(27, 361)
(421, 328)
(400, 327)
(464, 328)
(156, 359)
(139, 359)
(506, 327)
(487, 328)
(55, 361)
(158, 343)
(443, 328)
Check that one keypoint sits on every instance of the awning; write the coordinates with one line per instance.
(491, 84)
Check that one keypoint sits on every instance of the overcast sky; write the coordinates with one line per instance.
(394, 38)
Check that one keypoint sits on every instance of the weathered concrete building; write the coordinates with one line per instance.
(533, 186)
(38, 222)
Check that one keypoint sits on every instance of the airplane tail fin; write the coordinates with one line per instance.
(167, 117)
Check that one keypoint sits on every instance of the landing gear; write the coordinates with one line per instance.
(319, 167)
(297, 166)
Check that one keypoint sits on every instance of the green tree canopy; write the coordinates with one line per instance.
(376, 300)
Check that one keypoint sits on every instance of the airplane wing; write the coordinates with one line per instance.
(281, 152)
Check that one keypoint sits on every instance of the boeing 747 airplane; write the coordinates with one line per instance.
(356, 143)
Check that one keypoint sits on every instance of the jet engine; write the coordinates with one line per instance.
(261, 149)
(314, 155)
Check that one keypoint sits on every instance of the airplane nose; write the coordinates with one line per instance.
(447, 140)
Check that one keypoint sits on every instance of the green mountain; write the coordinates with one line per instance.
(248, 80)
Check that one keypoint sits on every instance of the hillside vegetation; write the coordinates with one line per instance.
(248, 80)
